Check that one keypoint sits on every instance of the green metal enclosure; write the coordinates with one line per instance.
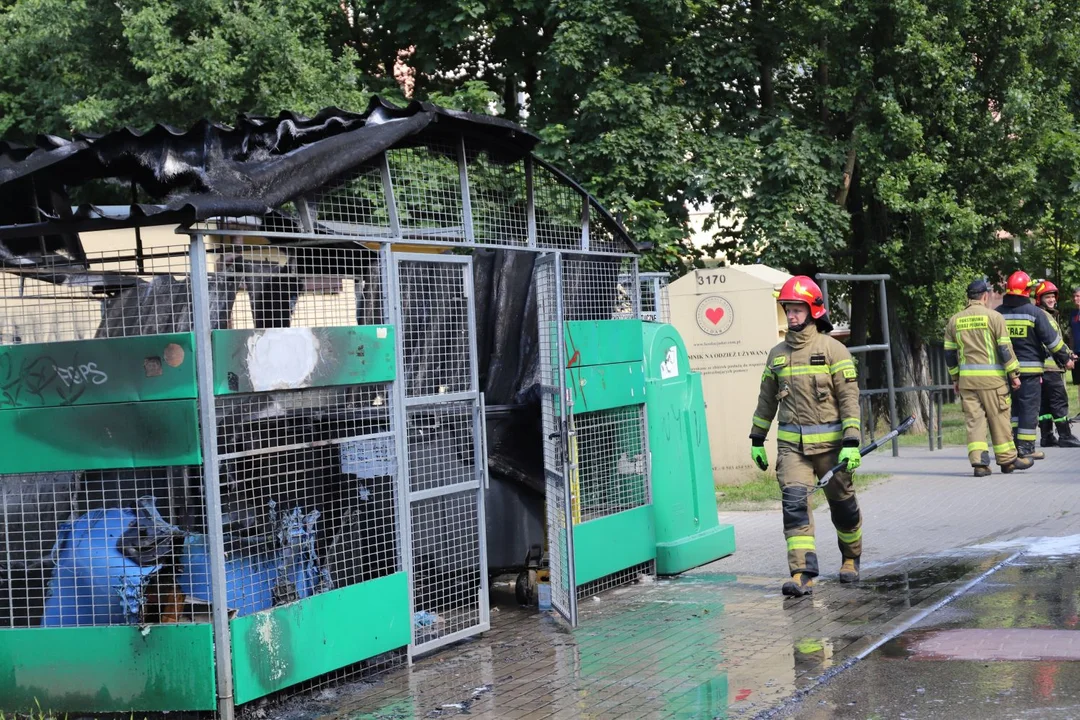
(255, 460)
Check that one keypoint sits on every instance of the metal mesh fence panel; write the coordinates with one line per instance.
(435, 329)
(613, 471)
(617, 579)
(559, 537)
(92, 547)
(354, 205)
(499, 199)
(111, 294)
(296, 286)
(600, 288)
(427, 190)
(308, 474)
(559, 210)
(100, 547)
(447, 566)
(444, 456)
(654, 297)
(442, 449)
(603, 235)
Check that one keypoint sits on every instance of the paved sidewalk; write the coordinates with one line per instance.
(721, 641)
(930, 504)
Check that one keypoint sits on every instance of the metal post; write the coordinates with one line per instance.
(480, 457)
(466, 196)
(204, 367)
(567, 422)
(585, 223)
(394, 312)
(388, 193)
(530, 202)
(887, 341)
(825, 291)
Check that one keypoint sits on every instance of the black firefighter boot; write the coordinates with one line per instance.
(1046, 429)
(1066, 437)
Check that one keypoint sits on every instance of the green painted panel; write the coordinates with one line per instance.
(602, 342)
(291, 358)
(603, 387)
(107, 669)
(100, 437)
(106, 370)
(292, 643)
(613, 543)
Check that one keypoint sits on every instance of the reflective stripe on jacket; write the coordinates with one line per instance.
(811, 387)
(978, 351)
(1033, 334)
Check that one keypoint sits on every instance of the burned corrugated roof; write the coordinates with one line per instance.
(211, 169)
(164, 157)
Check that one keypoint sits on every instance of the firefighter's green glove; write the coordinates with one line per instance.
(757, 454)
(853, 458)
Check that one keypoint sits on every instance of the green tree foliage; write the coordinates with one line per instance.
(892, 136)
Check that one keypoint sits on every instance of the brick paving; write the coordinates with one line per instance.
(721, 640)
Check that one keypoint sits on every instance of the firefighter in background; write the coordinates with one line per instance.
(982, 366)
(1032, 335)
(811, 381)
(1054, 410)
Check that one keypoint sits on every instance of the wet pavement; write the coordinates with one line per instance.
(703, 645)
(1005, 649)
(721, 642)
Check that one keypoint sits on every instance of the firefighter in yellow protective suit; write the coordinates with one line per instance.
(983, 368)
(810, 381)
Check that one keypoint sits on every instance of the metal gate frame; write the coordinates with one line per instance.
(559, 440)
(402, 405)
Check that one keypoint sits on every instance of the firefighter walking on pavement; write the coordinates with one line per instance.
(810, 383)
(979, 355)
(1054, 411)
(1033, 336)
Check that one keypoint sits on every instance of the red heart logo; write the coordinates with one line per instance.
(715, 315)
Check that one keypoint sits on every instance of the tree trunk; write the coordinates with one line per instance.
(759, 22)
(911, 367)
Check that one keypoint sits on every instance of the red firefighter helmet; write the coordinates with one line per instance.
(1019, 283)
(1045, 287)
(802, 289)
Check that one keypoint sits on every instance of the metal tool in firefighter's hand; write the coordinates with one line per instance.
(864, 451)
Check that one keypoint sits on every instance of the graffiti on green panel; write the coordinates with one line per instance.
(100, 437)
(106, 370)
(107, 669)
(287, 645)
(301, 357)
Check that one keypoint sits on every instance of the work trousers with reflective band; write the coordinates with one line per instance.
(1025, 408)
(993, 408)
(798, 474)
(1055, 402)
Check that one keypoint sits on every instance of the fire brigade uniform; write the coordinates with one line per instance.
(1054, 411)
(810, 386)
(979, 356)
(1032, 335)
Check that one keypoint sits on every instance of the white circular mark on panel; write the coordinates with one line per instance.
(282, 358)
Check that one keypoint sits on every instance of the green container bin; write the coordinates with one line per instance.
(688, 531)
